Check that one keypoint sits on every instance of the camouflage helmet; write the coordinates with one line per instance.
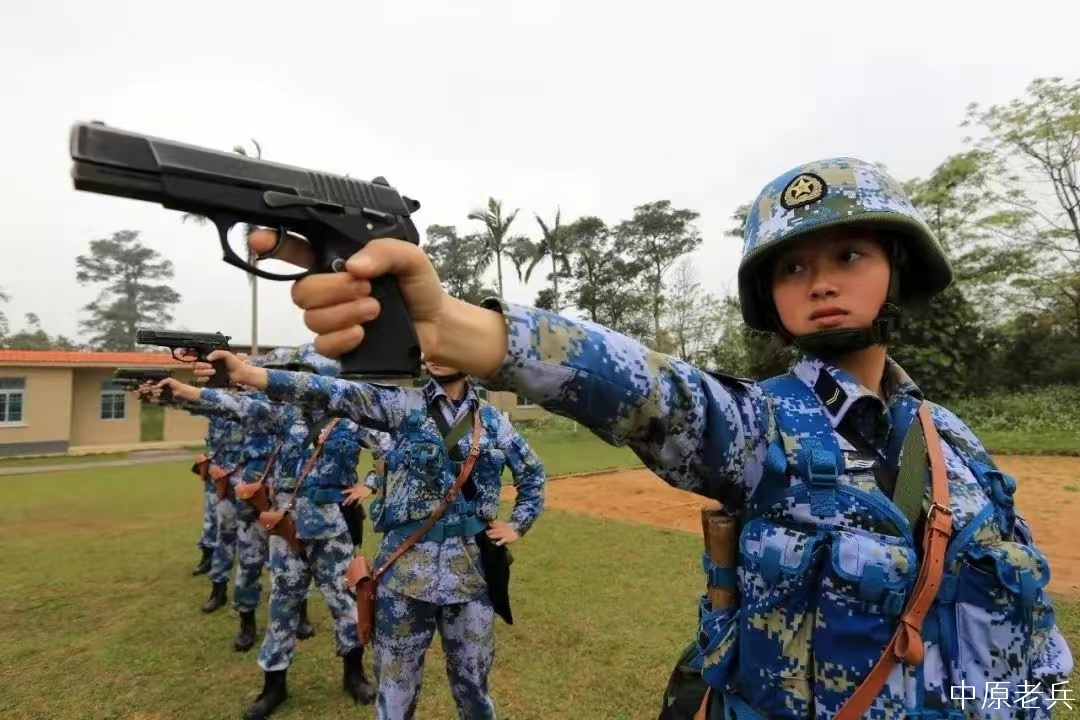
(279, 358)
(320, 364)
(826, 194)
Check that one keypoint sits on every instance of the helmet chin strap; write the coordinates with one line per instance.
(827, 344)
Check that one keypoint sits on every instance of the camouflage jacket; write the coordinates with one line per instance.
(442, 568)
(822, 583)
(316, 506)
(258, 444)
(224, 437)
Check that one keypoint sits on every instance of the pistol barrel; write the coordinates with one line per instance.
(126, 164)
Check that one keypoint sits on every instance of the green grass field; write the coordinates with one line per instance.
(101, 616)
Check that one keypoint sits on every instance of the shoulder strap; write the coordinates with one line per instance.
(463, 475)
(327, 429)
(809, 444)
(911, 480)
(451, 435)
(270, 462)
(906, 644)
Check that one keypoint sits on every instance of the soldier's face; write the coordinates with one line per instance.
(834, 279)
(436, 370)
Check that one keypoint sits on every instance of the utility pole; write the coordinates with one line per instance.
(254, 279)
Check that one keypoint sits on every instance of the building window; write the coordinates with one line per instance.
(112, 401)
(11, 400)
(524, 402)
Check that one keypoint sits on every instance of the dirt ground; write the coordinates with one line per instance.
(1048, 495)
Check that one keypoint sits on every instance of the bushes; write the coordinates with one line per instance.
(1050, 409)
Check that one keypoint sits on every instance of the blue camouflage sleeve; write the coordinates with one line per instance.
(253, 413)
(697, 432)
(359, 402)
(195, 408)
(528, 473)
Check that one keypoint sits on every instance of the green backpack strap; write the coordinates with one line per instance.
(911, 480)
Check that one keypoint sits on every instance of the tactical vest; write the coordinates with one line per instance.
(823, 581)
(419, 452)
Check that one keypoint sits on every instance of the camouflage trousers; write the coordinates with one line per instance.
(208, 538)
(324, 561)
(404, 628)
(237, 521)
(225, 545)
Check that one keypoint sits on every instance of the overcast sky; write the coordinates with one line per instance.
(596, 106)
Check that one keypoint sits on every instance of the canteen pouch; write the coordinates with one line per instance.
(360, 582)
(282, 524)
(254, 494)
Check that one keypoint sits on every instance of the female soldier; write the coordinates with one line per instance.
(834, 585)
(439, 581)
(315, 468)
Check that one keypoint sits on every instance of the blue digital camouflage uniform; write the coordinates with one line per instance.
(824, 568)
(222, 444)
(255, 452)
(438, 582)
(319, 522)
(224, 439)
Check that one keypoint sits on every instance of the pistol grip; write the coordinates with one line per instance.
(166, 394)
(220, 378)
(390, 348)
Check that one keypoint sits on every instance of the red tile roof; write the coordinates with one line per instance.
(64, 357)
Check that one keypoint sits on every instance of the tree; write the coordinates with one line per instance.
(554, 245)
(692, 320)
(984, 238)
(1035, 141)
(497, 240)
(4, 298)
(603, 283)
(125, 268)
(456, 260)
(33, 337)
(656, 236)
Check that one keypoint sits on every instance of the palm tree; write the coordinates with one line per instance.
(554, 244)
(497, 238)
(253, 281)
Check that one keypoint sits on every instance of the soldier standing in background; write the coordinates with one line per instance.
(317, 467)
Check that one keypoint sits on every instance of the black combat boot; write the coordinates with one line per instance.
(246, 638)
(305, 629)
(204, 565)
(218, 597)
(273, 694)
(353, 679)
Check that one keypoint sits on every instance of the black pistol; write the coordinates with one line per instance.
(201, 343)
(131, 379)
(336, 215)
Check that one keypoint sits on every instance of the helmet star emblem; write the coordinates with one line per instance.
(804, 189)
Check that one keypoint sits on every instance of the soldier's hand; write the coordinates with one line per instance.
(336, 304)
(355, 494)
(501, 532)
(179, 389)
(233, 365)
